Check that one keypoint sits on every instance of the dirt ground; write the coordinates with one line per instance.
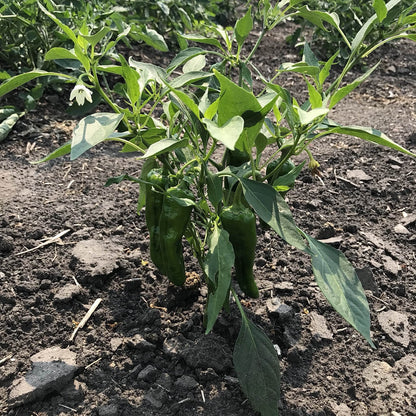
(143, 351)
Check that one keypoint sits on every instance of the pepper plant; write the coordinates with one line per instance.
(216, 156)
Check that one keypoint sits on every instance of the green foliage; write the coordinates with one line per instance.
(354, 14)
(179, 117)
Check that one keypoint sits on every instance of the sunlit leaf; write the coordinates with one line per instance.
(218, 264)
(92, 130)
(338, 281)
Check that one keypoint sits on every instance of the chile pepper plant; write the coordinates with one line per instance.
(219, 157)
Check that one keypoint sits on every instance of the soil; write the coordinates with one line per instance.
(143, 351)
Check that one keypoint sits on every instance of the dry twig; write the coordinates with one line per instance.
(85, 318)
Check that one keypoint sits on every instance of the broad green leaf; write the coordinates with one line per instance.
(309, 57)
(284, 182)
(243, 27)
(60, 151)
(202, 39)
(228, 133)
(272, 209)
(236, 101)
(287, 103)
(151, 37)
(7, 111)
(184, 56)
(300, 68)
(164, 146)
(111, 69)
(189, 78)
(366, 28)
(324, 73)
(14, 82)
(307, 117)
(218, 264)
(381, 9)
(7, 125)
(318, 17)
(188, 101)
(214, 188)
(131, 78)
(97, 37)
(92, 130)
(371, 135)
(4, 75)
(344, 91)
(314, 97)
(257, 366)
(59, 53)
(197, 63)
(338, 281)
(157, 73)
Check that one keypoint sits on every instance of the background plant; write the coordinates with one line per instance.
(210, 144)
(354, 14)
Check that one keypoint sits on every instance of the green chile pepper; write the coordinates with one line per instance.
(240, 223)
(173, 221)
(154, 204)
(237, 157)
(284, 170)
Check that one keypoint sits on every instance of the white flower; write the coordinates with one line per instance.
(81, 93)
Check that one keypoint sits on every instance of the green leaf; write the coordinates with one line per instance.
(14, 82)
(300, 68)
(317, 17)
(197, 63)
(236, 101)
(218, 264)
(188, 101)
(309, 57)
(307, 117)
(344, 91)
(380, 8)
(371, 135)
(59, 53)
(257, 367)
(228, 133)
(60, 151)
(243, 27)
(338, 281)
(189, 78)
(131, 78)
(272, 209)
(7, 111)
(214, 188)
(97, 37)
(154, 72)
(92, 130)
(202, 39)
(184, 56)
(7, 125)
(366, 28)
(151, 37)
(314, 97)
(164, 146)
(324, 73)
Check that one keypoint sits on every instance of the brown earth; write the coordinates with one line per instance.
(143, 351)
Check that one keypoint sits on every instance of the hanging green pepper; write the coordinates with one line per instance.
(154, 204)
(237, 157)
(173, 221)
(284, 170)
(240, 223)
